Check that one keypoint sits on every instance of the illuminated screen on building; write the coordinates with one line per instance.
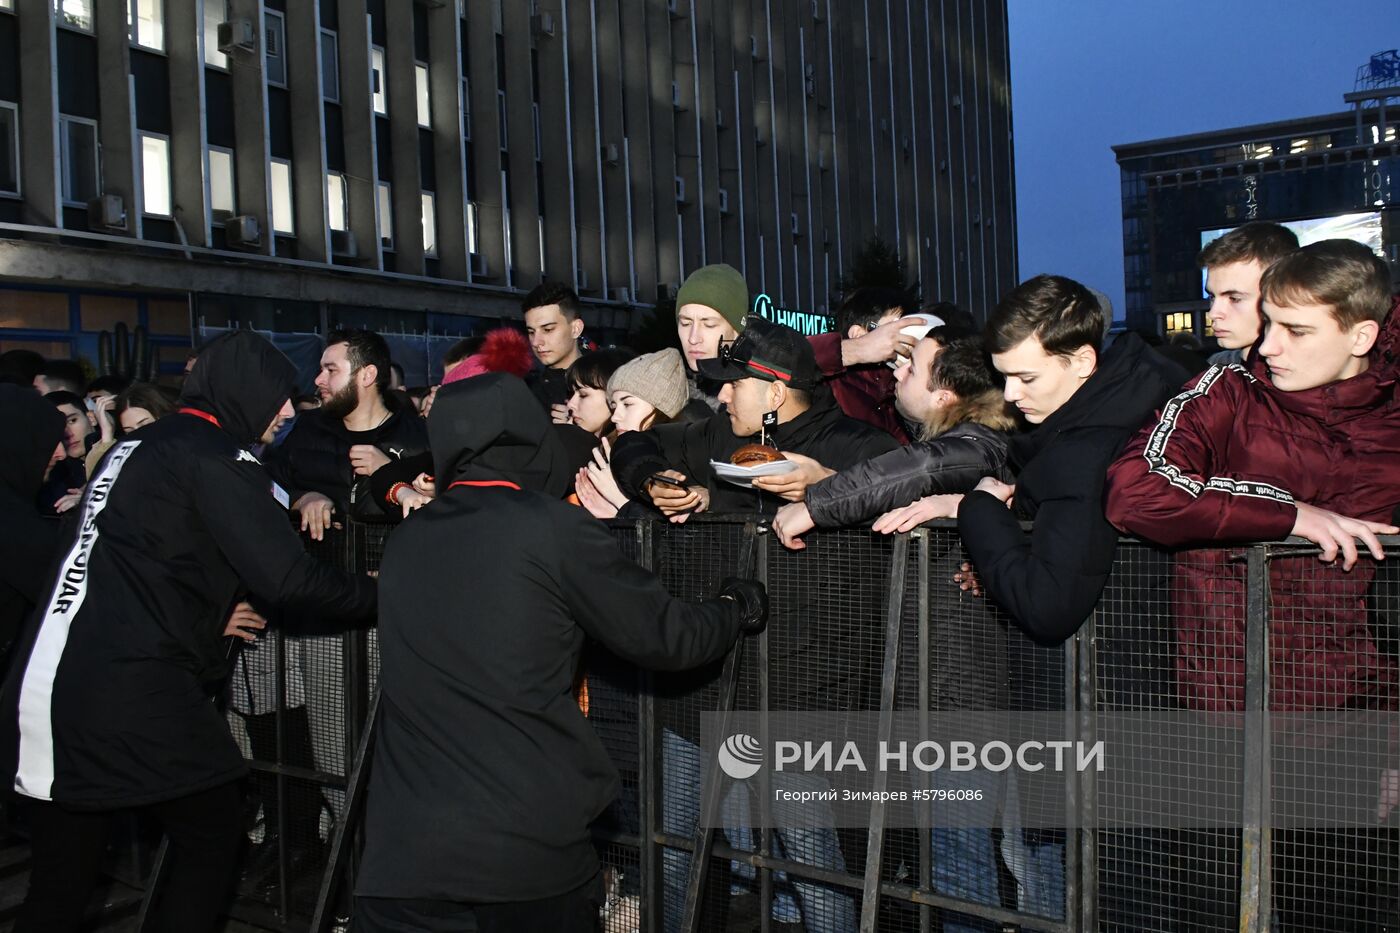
(1364, 228)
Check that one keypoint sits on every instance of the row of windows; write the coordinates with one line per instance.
(81, 180)
(145, 19)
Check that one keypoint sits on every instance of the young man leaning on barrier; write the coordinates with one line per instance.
(1303, 439)
(486, 776)
(948, 388)
(1081, 406)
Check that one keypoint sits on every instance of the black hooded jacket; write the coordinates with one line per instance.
(32, 427)
(108, 703)
(821, 432)
(1050, 579)
(486, 775)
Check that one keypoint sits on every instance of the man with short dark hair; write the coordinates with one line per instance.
(1234, 264)
(1044, 338)
(325, 462)
(554, 327)
(63, 486)
(60, 376)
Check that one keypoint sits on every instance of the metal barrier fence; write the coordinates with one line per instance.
(864, 623)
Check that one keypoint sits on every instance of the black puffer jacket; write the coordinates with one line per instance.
(1048, 580)
(109, 701)
(821, 432)
(32, 428)
(315, 457)
(486, 776)
(952, 462)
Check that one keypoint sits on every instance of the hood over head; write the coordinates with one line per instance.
(491, 427)
(243, 381)
(32, 427)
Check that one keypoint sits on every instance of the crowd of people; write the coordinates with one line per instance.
(903, 414)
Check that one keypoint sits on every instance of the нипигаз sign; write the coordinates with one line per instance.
(804, 322)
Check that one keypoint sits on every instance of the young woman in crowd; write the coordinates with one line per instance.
(649, 390)
(588, 377)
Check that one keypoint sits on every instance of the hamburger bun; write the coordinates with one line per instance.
(754, 454)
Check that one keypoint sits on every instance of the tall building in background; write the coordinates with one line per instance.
(1331, 175)
(416, 166)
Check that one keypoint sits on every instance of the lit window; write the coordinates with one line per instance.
(425, 113)
(429, 224)
(7, 4)
(282, 215)
(221, 184)
(274, 47)
(9, 146)
(330, 66)
(215, 12)
(377, 86)
(386, 216)
(471, 226)
(79, 141)
(155, 175)
(147, 23)
(75, 13)
(335, 200)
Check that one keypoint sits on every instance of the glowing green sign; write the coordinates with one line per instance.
(804, 322)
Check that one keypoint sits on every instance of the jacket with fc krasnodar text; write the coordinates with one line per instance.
(109, 702)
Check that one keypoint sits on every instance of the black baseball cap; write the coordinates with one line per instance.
(766, 351)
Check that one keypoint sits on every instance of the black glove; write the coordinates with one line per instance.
(750, 602)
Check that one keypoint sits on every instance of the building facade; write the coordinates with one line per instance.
(416, 166)
(1178, 191)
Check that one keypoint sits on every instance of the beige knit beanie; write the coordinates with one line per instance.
(656, 378)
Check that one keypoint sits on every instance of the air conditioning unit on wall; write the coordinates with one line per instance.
(243, 232)
(237, 36)
(107, 211)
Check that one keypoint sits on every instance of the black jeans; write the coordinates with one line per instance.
(205, 831)
(574, 912)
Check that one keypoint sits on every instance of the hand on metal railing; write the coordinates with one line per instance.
(791, 522)
(1333, 533)
(750, 602)
(916, 513)
(967, 580)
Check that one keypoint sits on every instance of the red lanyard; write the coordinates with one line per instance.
(201, 414)
(484, 482)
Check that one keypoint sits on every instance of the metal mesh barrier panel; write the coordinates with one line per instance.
(1223, 826)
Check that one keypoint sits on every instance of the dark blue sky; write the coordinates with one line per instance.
(1089, 74)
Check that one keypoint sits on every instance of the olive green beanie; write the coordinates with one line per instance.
(719, 286)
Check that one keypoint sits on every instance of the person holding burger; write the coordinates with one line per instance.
(771, 395)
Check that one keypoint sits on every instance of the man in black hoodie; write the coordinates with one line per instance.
(109, 703)
(1082, 407)
(486, 775)
(33, 430)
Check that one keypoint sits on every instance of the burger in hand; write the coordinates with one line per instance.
(755, 454)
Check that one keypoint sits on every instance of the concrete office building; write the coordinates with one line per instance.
(416, 166)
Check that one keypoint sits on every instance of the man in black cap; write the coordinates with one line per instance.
(486, 775)
(109, 704)
(772, 396)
